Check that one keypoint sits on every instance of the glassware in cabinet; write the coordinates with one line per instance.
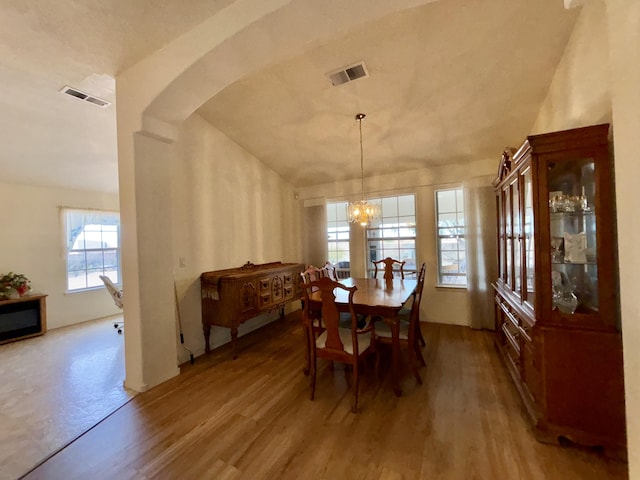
(573, 236)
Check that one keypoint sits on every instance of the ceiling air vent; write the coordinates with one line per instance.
(348, 74)
(85, 96)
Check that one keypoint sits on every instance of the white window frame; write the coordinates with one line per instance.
(390, 229)
(338, 232)
(456, 230)
(92, 248)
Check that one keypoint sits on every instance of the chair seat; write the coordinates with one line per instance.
(383, 330)
(364, 340)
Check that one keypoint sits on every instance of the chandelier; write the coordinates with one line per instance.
(361, 211)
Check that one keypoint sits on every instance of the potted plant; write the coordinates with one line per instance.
(14, 285)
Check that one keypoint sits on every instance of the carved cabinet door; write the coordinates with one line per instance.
(248, 296)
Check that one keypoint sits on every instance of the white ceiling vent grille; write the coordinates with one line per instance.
(348, 74)
(74, 92)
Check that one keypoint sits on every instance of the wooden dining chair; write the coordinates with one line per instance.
(406, 309)
(330, 271)
(343, 269)
(388, 265)
(311, 274)
(408, 334)
(421, 275)
(336, 343)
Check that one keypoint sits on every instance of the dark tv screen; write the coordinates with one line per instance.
(19, 319)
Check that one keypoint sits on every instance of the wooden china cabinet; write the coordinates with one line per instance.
(556, 298)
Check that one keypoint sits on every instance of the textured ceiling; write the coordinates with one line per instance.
(452, 81)
(53, 139)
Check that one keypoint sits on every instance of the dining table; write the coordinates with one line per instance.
(382, 298)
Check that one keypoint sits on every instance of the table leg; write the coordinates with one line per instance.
(395, 351)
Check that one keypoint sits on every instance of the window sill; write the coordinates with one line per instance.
(82, 290)
(454, 287)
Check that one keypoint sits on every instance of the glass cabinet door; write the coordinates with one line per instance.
(508, 237)
(528, 234)
(501, 265)
(517, 236)
(572, 229)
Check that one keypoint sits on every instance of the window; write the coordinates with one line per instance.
(338, 238)
(92, 247)
(452, 265)
(394, 233)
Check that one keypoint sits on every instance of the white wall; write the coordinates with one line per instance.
(580, 92)
(32, 243)
(228, 208)
(624, 41)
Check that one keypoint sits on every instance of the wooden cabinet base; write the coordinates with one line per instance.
(567, 437)
(585, 397)
(514, 372)
(570, 381)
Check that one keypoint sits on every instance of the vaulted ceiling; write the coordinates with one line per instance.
(450, 81)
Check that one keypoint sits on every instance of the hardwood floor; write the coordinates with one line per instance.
(251, 418)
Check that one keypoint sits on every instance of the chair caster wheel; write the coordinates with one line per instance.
(119, 331)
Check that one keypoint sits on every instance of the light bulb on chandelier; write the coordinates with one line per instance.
(362, 212)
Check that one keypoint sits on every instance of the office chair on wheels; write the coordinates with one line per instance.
(118, 298)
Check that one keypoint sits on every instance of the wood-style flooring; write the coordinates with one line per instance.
(251, 418)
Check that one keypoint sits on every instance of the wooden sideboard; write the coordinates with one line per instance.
(23, 317)
(233, 296)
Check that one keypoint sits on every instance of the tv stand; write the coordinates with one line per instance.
(23, 317)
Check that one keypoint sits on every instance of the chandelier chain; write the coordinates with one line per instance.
(361, 211)
(360, 117)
